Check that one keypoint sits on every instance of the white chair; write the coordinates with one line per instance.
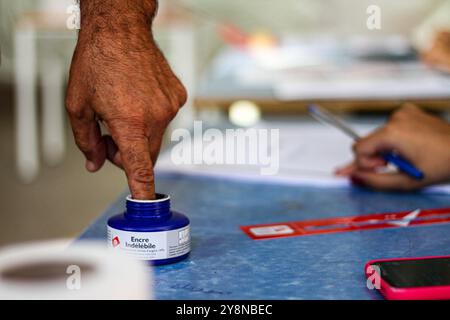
(37, 38)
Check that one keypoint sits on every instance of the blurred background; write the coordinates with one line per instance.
(224, 52)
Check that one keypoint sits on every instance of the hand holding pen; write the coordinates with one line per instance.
(417, 143)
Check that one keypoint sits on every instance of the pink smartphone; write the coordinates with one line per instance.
(423, 278)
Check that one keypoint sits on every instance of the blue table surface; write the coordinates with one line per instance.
(226, 264)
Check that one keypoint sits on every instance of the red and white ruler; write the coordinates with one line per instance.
(346, 224)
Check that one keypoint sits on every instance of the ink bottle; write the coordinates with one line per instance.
(148, 230)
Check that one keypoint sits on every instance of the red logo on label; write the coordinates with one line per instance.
(115, 241)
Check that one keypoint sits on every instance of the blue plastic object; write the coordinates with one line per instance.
(403, 165)
(150, 231)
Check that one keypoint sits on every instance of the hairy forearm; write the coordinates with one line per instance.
(113, 18)
(111, 29)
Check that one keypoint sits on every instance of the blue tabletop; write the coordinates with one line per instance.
(226, 264)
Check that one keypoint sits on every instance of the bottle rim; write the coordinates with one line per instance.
(159, 198)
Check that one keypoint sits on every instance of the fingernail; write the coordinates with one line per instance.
(90, 166)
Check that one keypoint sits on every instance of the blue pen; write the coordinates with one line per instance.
(402, 164)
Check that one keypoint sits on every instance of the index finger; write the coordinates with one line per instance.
(137, 163)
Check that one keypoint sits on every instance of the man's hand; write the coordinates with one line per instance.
(119, 76)
(439, 54)
(419, 137)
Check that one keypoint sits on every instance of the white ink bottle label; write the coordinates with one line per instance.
(151, 245)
